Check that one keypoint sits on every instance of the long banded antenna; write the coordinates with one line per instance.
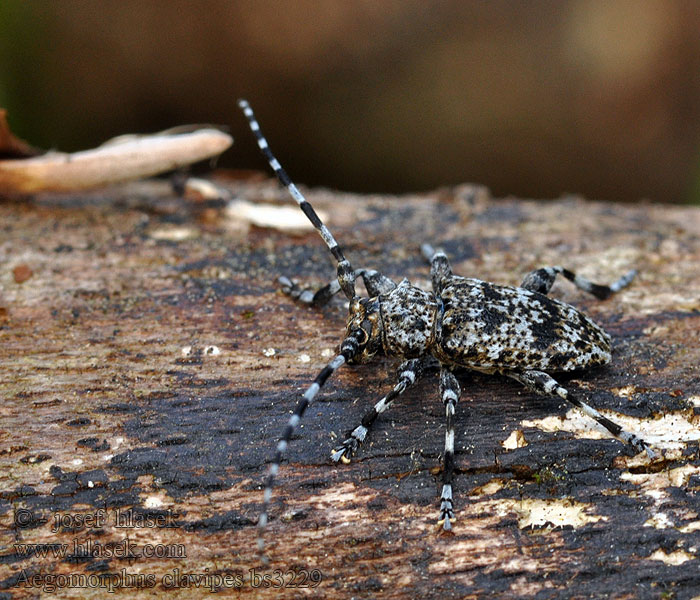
(349, 348)
(346, 274)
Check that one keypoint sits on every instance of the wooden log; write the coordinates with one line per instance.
(149, 363)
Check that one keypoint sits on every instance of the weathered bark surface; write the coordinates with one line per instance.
(149, 363)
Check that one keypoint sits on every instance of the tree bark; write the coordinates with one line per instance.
(149, 364)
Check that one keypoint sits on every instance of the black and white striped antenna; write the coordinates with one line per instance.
(350, 347)
(346, 274)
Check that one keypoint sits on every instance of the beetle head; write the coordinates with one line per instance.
(364, 316)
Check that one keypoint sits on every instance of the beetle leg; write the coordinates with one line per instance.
(408, 373)
(544, 384)
(440, 269)
(541, 280)
(306, 296)
(449, 390)
(375, 282)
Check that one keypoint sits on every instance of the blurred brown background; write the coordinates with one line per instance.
(537, 99)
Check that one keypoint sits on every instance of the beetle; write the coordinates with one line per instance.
(464, 322)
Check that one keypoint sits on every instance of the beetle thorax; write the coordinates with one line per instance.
(408, 315)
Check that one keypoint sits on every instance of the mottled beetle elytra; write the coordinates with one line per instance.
(464, 322)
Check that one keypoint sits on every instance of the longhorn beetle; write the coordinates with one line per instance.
(464, 322)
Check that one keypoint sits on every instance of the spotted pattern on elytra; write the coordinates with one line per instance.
(488, 327)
